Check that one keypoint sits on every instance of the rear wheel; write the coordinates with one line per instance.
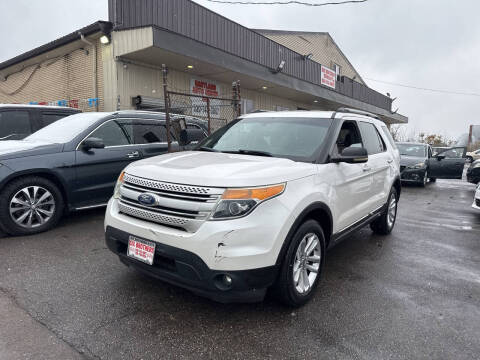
(301, 268)
(30, 205)
(385, 223)
(433, 179)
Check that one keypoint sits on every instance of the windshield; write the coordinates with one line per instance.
(293, 138)
(412, 150)
(66, 129)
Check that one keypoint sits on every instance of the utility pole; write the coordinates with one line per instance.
(167, 106)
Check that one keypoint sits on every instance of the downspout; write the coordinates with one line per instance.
(95, 80)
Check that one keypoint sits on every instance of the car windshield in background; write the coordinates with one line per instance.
(292, 138)
(412, 150)
(65, 130)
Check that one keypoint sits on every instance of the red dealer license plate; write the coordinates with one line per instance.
(140, 249)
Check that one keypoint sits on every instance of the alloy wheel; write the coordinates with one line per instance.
(32, 206)
(392, 211)
(307, 263)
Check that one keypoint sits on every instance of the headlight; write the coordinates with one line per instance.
(120, 181)
(236, 203)
(418, 166)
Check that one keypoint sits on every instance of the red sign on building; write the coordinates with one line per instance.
(328, 77)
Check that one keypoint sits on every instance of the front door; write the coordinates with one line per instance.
(97, 170)
(353, 181)
(447, 164)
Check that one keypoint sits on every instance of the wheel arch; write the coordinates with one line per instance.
(317, 211)
(397, 184)
(44, 173)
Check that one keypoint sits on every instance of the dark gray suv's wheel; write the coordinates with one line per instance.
(302, 266)
(385, 223)
(30, 205)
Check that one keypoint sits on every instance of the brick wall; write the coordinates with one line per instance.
(69, 78)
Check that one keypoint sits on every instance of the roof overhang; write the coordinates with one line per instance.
(154, 46)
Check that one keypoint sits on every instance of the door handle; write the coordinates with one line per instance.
(133, 155)
(366, 168)
(389, 161)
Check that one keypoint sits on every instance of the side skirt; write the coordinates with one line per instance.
(338, 237)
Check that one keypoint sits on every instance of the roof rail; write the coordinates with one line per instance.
(356, 111)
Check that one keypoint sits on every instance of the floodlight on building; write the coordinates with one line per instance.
(105, 39)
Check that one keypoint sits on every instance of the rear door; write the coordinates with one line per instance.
(150, 135)
(447, 164)
(97, 170)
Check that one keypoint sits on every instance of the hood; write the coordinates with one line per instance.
(219, 169)
(411, 160)
(11, 149)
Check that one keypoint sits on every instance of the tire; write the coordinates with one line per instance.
(45, 214)
(433, 180)
(385, 223)
(289, 292)
(424, 181)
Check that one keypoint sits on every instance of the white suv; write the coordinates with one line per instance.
(257, 203)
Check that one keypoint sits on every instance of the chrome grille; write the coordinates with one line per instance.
(177, 205)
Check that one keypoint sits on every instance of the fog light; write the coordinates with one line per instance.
(227, 280)
(223, 282)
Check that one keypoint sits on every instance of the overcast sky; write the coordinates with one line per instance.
(424, 43)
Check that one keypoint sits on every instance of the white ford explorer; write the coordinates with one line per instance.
(257, 204)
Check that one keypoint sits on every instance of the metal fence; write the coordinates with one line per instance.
(217, 111)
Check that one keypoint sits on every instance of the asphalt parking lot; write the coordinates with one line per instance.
(414, 294)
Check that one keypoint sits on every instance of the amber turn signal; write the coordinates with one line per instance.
(261, 193)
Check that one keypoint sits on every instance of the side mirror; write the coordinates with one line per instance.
(190, 135)
(440, 157)
(352, 155)
(93, 143)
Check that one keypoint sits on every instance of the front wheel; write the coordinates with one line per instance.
(301, 268)
(385, 223)
(30, 205)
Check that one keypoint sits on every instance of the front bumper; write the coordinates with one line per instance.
(473, 175)
(412, 175)
(476, 200)
(187, 270)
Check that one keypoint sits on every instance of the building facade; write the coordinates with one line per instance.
(107, 65)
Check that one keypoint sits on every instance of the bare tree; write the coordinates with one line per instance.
(398, 132)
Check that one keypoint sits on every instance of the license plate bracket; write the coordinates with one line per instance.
(141, 249)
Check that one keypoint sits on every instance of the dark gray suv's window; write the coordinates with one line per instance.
(113, 133)
(149, 131)
(48, 119)
(14, 122)
(371, 138)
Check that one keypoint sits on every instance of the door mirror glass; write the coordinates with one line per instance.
(352, 155)
(93, 143)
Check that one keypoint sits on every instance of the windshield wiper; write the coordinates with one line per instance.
(204, 148)
(250, 152)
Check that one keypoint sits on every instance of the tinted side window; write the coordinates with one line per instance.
(149, 131)
(112, 133)
(371, 138)
(48, 119)
(13, 122)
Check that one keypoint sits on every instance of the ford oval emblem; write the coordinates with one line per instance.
(147, 199)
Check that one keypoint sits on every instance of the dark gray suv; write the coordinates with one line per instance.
(73, 164)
